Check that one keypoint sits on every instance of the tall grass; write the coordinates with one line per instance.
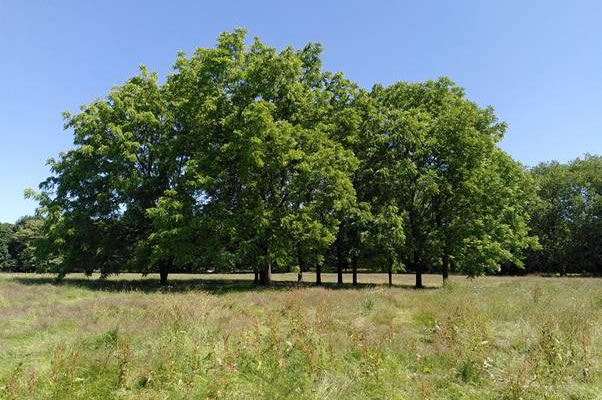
(491, 338)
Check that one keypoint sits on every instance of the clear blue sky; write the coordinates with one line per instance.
(539, 63)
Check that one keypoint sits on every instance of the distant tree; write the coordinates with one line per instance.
(22, 247)
(568, 219)
(6, 237)
(588, 173)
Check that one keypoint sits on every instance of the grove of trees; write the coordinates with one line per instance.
(18, 244)
(248, 158)
(568, 217)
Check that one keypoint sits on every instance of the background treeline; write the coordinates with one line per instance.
(250, 159)
(568, 217)
(18, 244)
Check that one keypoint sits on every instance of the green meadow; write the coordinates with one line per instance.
(221, 337)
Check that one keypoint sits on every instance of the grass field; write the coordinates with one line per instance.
(216, 336)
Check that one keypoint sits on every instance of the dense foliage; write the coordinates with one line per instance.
(568, 217)
(248, 158)
(6, 235)
(18, 244)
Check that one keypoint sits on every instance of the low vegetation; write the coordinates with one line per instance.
(218, 336)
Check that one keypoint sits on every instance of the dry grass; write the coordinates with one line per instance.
(216, 336)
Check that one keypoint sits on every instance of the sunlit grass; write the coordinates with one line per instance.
(216, 336)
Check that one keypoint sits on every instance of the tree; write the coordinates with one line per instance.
(492, 227)
(568, 218)
(588, 173)
(270, 179)
(372, 231)
(449, 153)
(6, 237)
(97, 200)
(22, 247)
(229, 162)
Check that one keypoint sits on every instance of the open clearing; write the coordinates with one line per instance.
(217, 336)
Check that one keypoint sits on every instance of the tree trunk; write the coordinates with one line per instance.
(390, 273)
(318, 275)
(265, 273)
(269, 273)
(419, 270)
(445, 269)
(301, 265)
(354, 269)
(256, 278)
(340, 261)
(339, 273)
(265, 276)
(164, 268)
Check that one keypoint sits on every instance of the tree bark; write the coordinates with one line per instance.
(301, 265)
(354, 269)
(418, 268)
(265, 276)
(269, 273)
(340, 261)
(418, 277)
(390, 273)
(419, 271)
(318, 275)
(265, 273)
(164, 268)
(445, 269)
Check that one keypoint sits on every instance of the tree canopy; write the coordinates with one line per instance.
(18, 244)
(568, 217)
(6, 236)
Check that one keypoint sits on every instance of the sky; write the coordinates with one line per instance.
(538, 63)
